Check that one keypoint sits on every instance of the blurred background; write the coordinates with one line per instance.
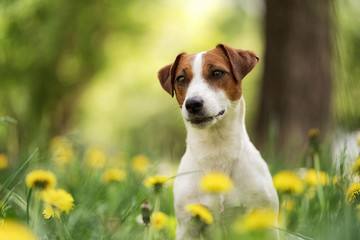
(88, 70)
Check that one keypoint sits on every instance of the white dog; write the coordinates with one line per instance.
(208, 89)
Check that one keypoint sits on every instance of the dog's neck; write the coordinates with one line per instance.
(221, 144)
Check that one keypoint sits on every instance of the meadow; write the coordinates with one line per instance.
(84, 192)
(86, 73)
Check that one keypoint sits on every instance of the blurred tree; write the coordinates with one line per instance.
(297, 82)
(50, 50)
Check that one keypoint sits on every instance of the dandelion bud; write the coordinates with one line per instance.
(146, 212)
(314, 140)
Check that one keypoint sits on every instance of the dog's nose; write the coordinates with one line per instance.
(194, 104)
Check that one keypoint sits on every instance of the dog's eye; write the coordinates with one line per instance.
(217, 73)
(180, 80)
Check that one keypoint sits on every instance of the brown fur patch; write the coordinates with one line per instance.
(216, 60)
(184, 68)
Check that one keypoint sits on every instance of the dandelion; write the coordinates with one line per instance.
(312, 177)
(200, 212)
(356, 167)
(156, 182)
(158, 220)
(314, 140)
(113, 175)
(256, 220)
(58, 141)
(41, 179)
(3, 161)
(216, 183)
(140, 163)
(314, 132)
(288, 205)
(61, 150)
(95, 158)
(12, 230)
(56, 201)
(353, 194)
(288, 182)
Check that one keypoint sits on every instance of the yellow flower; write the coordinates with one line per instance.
(216, 183)
(160, 219)
(335, 180)
(314, 132)
(41, 179)
(310, 192)
(95, 158)
(353, 194)
(140, 163)
(12, 230)
(311, 177)
(64, 155)
(58, 141)
(113, 175)
(156, 182)
(288, 182)
(61, 150)
(57, 201)
(356, 167)
(3, 161)
(288, 205)
(257, 219)
(201, 212)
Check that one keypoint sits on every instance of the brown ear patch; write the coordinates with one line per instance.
(166, 75)
(241, 61)
(217, 60)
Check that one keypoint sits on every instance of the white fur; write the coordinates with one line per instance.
(222, 146)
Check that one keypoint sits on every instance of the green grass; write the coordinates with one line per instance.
(111, 210)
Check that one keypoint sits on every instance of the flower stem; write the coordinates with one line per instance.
(36, 211)
(59, 229)
(319, 187)
(66, 230)
(146, 235)
(28, 200)
(153, 221)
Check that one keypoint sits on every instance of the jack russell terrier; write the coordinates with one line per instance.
(208, 89)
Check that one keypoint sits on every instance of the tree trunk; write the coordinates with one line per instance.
(297, 82)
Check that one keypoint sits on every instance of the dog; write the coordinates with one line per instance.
(208, 89)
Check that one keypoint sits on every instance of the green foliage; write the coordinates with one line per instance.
(347, 71)
(50, 52)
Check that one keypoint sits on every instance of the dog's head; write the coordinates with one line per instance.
(206, 83)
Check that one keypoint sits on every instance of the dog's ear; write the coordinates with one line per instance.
(242, 61)
(166, 75)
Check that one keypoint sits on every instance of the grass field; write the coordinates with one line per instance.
(104, 196)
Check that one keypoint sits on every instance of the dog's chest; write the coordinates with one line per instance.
(214, 154)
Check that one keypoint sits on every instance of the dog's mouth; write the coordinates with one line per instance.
(202, 120)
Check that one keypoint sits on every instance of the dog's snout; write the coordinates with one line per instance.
(194, 104)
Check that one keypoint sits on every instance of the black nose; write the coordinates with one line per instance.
(194, 104)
